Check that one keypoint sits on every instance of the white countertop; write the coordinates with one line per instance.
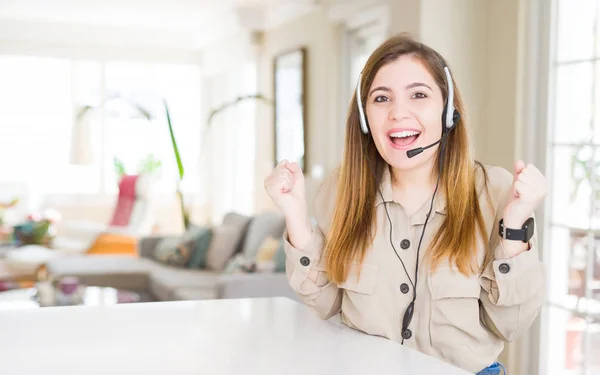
(244, 336)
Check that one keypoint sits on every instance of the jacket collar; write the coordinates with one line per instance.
(417, 218)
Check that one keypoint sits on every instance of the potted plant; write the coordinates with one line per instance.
(149, 163)
(38, 229)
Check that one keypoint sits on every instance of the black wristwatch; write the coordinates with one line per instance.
(524, 234)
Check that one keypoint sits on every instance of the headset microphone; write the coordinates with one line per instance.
(416, 151)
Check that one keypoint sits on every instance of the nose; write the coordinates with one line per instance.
(399, 111)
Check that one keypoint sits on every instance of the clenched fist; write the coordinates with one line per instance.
(285, 185)
(528, 190)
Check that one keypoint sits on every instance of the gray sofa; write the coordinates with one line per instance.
(156, 281)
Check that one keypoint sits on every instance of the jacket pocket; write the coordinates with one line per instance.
(361, 278)
(448, 283)
(360, 308)
(454, 319)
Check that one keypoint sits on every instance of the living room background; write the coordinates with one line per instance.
(524, 78)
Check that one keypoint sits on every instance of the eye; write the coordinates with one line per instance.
(418, 95)
(382, 99)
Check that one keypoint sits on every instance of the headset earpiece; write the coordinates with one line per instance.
(450, 116)
(361, 113)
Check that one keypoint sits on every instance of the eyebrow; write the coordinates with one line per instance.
(418, 84)
(408, 87)
(380, 88)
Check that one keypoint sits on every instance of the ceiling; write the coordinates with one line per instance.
(176, 24)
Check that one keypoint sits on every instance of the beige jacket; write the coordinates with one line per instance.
(461, 320)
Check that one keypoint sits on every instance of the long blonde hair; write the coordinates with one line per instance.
(351, 231)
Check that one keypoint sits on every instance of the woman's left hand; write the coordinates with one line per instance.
(529, 188)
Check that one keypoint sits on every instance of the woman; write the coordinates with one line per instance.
(408, 244)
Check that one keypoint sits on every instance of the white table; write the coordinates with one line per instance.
(245, 337)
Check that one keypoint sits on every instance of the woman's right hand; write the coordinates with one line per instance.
(285, 186)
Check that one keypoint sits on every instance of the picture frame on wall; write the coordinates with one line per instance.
(289, 81)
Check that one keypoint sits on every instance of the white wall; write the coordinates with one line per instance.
(501, 133)
(457, 30)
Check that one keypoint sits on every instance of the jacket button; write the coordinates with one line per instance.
(504, 268)
(404, 288)
(405, 244)
(406, 334)
(304, 261)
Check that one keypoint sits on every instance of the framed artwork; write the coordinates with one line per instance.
(289, 80)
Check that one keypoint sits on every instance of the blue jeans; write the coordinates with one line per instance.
(493, 370)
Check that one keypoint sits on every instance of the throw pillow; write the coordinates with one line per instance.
(265, 257)
(177, 251)
(240, 223)
(267, 249)
(268, 224)
(173, 251)
(201, 245)
(224, 243)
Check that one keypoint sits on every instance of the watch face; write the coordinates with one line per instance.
(529, 227)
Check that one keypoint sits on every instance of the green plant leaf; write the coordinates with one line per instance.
(119, 167)
(149, 164)
(174, 142)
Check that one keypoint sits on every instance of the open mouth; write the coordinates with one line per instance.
(401, 139)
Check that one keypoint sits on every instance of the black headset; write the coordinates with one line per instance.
(450, 118)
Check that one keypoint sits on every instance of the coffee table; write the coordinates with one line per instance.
(27, 298)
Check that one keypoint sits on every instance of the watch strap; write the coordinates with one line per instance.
(524, 234)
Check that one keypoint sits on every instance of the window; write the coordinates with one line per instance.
(134, 140)
(35, 120)
(43, 146)
(573, 313)
(363, 41)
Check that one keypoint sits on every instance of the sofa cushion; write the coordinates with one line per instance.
(223, 246)
(239, 222)
(117, 271)
(166, 279)
(160, 291)
(269, 224)
(194, 294)
(94, 264)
